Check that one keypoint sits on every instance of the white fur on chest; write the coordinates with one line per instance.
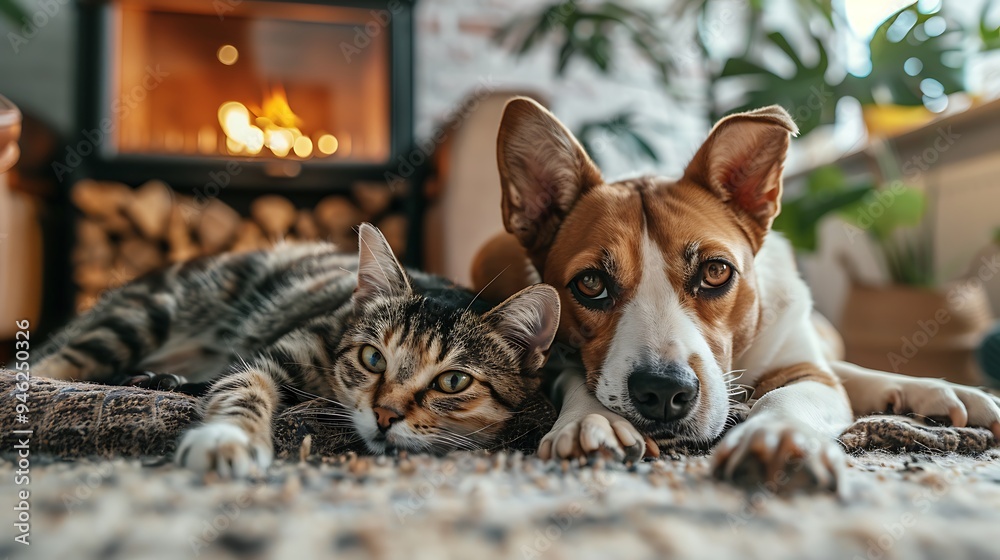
(785, 334)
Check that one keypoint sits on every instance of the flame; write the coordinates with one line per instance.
(273, 126)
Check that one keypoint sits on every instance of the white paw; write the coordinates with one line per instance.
(599, 433)
(224, 448)
(937, 399)
(779, 456)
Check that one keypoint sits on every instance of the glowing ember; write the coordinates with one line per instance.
(273, 126)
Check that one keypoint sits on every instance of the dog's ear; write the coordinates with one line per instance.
(742, 161)
(543, 171)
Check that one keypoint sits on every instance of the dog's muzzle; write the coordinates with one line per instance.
(663, 392)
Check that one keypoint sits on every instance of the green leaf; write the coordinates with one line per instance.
(595, 46)
(13, 11)
(623, 134)
(799, 218)
(888, 58)
(828, 178)
(805, 94)
(887, 210)
(990, 37)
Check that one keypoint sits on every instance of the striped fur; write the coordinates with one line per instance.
(266, 327)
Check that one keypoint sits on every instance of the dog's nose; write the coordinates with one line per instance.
(386, 417)
(663, 393)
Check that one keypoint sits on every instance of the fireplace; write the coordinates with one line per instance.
(281, 120)
(265, 81)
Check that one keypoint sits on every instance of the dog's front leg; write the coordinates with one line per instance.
(788, 441)
(585, 427)
(872, 392)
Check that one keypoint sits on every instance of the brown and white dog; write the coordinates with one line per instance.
(670, 288)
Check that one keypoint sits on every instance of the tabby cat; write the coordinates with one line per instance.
(414, 362)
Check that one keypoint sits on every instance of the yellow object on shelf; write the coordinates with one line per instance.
(884, 121)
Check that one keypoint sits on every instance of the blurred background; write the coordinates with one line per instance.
(136, 133)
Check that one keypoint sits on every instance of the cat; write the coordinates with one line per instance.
(414, 362)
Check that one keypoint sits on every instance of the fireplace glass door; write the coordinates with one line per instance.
(262, 80)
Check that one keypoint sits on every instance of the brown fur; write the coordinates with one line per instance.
(795, 373)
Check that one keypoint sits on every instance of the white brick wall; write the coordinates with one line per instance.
(455, 52)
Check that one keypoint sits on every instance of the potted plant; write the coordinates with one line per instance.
(910, 323)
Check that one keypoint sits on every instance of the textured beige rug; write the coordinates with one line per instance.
(503, 506)
(908, 503)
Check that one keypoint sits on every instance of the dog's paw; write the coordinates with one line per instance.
(780, 457)
(603, 433)
(942, 401)
(223, 448)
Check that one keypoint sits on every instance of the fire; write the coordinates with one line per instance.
(273, 126)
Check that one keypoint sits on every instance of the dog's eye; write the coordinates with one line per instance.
(372, 359)
(715, 274)
(452, 382)
(590, 285)
(591, 289)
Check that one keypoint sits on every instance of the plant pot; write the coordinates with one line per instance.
(918, 331)
(884, 121)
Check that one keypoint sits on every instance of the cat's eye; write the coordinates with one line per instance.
(715, 274)
(452, 381)
(372, 359)
(590, 288)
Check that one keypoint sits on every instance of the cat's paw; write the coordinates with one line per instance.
(223, 448)
(595, 434)
(156, 381)
(940, 400)
(779, 457)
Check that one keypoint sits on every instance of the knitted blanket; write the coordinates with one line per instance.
(74, 420)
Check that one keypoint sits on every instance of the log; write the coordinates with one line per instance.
(275, 215)
(100, 198)
(217, 227)
(93, 246)
(179, 243)
(91, 277)
(149, 209)
(249, 238)
(116, 224)
(394, 228)
(373, 198)
(137, 256)
(337, 217)
(306, 228)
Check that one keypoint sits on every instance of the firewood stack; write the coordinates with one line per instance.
(124, 232)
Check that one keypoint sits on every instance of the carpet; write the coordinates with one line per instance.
(912, 491)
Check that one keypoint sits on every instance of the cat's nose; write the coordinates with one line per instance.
(386, 417)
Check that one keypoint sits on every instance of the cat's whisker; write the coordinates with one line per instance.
(314, 396)
(318, 413)
(375, 260)
(456, 443)
(486, 286)
(487, 426)
(733, 375)
(454, 436)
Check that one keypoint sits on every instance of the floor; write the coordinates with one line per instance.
(503, 506)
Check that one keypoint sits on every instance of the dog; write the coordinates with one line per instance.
(674, 291)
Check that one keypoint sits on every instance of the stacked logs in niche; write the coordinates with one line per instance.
(124, 232)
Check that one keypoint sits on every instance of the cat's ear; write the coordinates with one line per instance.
(379, 273)
(529, 320)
